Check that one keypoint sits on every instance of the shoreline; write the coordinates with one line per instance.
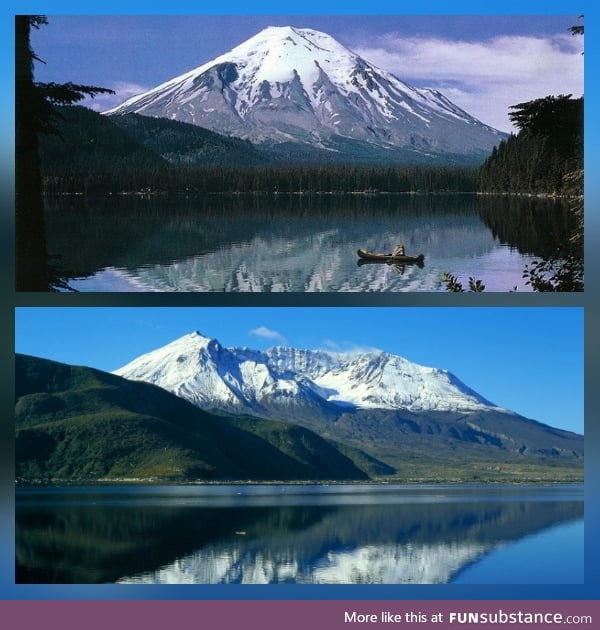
(158, 482)
(311, 193)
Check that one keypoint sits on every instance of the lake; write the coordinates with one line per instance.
(317, 534)
(297, 243)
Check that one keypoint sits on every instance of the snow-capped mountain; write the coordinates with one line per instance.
(376, 401)
(205, 373)
(297, 85)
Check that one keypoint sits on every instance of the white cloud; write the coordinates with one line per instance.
(123, 91)
(267, 333)
(484, 77)
(347, 347)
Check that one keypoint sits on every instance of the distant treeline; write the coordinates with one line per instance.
(268, 179)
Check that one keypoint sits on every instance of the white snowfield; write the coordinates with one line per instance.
(301, 85)
(202, 371)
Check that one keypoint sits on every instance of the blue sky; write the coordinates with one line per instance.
(527, 359)
(483, 63)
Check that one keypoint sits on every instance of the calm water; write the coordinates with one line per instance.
(297, 243)
(337, 534)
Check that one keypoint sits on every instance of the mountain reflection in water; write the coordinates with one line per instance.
(254, 243)
(313, 535)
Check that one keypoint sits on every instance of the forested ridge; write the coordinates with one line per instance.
(94, 154)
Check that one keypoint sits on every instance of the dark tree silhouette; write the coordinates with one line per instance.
(34, 114)
(558, 119)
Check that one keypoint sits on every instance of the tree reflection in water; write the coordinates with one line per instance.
(241, 540)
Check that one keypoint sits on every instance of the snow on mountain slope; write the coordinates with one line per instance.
(202, 371)
(379, 380)
(297, 85)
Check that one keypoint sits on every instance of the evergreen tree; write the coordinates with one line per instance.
(34, 115)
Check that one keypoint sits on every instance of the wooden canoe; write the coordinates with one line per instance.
(390, 258)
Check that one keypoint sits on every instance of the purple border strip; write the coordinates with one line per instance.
(294, 615)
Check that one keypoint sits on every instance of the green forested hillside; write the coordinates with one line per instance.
(183, 144)
(88, 143)
(80, 424)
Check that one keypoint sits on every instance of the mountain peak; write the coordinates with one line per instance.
(276, 32)
(297, 85)
(291, 35)
(196, 334)
(194, 338)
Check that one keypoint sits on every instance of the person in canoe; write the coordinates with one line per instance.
(398, 256)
